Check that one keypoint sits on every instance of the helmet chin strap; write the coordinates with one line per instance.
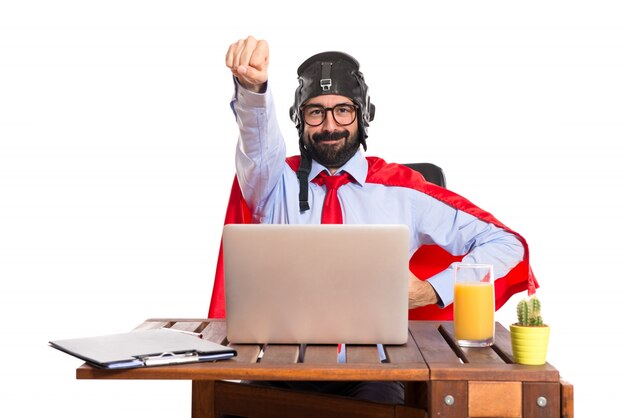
(303, 177)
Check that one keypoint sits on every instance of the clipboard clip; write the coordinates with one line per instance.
(170, 358)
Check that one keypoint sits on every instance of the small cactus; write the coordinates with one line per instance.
(529, 313)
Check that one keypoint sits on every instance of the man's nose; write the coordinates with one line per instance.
(329, 120)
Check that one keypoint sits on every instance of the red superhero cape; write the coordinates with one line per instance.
(427, 261)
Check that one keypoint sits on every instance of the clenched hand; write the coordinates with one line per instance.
(421, 293)
(248, 60)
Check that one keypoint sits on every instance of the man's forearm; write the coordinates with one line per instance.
(261, 149)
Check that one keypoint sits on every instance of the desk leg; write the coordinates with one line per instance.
(567, 400)
(542, 400)
(203, 399)
(448, 399)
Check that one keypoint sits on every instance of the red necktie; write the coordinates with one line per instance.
(331, 212)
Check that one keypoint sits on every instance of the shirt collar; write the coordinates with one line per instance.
(355, 166)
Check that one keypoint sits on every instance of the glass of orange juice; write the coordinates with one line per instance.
(474, 305)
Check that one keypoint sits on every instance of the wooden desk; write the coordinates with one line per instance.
(442, 379)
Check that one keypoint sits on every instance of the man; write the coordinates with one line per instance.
(332, 112)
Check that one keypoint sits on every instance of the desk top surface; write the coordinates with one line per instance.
(430, 354)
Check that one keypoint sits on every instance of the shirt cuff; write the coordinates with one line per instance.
(249, 98)
(443, 283)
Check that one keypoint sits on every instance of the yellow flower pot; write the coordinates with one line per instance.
(530, 344)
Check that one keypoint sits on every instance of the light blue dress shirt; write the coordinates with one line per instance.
(270, 188)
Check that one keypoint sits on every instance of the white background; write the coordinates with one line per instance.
(117, 147)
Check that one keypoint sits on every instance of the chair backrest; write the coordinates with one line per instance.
(431, 172)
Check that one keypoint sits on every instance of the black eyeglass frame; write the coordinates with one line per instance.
(332, 112)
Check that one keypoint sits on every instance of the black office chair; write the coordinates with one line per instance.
(431, 172)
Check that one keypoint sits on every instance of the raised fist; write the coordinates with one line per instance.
(248, 60)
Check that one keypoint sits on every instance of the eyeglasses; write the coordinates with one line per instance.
(343, 114)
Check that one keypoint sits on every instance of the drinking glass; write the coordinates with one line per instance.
(474, 305)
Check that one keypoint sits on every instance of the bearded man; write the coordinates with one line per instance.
(332, 111)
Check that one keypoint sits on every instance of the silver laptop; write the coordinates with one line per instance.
(316, 284)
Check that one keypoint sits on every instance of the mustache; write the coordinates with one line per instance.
(327, 135)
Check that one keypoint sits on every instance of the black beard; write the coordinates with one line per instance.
(332, 156)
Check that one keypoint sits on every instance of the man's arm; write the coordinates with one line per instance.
(459, 227)
(480, 242)
(260, 157)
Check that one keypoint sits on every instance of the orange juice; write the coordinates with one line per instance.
(474, 309)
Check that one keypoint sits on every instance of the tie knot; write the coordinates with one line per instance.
(332, 182)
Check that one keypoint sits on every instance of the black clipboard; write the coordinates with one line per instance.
(156, 347)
